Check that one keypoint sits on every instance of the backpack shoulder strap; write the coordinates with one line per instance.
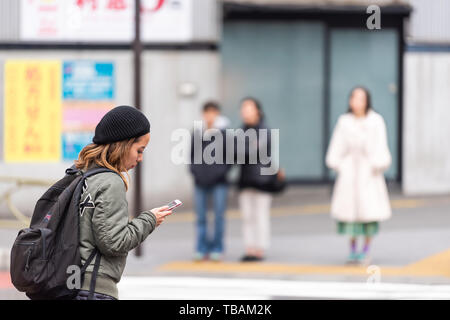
(94, 276)
(73, 171)
(94, 171)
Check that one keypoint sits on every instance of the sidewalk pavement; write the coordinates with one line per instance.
(411, 248)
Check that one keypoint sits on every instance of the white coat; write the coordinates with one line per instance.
(359, 153)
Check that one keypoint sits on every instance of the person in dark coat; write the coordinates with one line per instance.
(256, 188)
(210, 178)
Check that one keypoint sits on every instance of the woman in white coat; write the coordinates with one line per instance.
(359, 154)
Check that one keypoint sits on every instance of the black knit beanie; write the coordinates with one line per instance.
(121, 123)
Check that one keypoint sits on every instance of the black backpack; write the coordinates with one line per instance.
(42, 254)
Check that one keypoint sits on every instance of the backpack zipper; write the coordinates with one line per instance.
(25, 243)
(27, 265)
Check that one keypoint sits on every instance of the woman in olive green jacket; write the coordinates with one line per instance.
(119, 142)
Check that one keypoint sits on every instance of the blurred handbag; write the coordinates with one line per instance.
(277, 182)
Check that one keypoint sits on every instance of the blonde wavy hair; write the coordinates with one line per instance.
(111, 156)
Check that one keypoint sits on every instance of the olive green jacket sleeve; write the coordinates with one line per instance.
(114, 233)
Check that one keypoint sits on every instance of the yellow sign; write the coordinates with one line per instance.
(32, 111)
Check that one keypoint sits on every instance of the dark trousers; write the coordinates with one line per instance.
(83, 295)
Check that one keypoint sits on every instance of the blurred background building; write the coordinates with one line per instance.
(63, 64)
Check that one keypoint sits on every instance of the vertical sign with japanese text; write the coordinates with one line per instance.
(32, 111)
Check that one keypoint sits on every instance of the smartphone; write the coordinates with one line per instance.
(174, 204)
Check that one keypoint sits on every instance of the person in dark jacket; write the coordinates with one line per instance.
(255, 187)
(210, 181)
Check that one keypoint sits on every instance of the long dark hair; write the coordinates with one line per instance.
(257, 105)
(368, 99)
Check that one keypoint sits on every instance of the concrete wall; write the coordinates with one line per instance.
(207, 20)
(9, 20)
(166, 75)
(426, 148)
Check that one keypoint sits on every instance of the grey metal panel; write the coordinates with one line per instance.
(282, 65)
(206, 20)
(429, 21)
(9, 20)
(426, 160)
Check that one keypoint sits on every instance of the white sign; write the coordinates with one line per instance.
(105, 20)
(171, 21)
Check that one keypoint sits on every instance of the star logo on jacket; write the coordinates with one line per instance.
(87, 203)
(47, 217)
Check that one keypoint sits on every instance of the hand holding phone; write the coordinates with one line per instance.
(174, 204)
(164, 211)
